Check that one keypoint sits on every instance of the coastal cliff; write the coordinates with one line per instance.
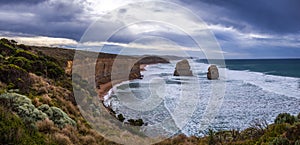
(116, 67)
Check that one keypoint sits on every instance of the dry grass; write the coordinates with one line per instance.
(46, 126)
(61, 139)
(72, 133)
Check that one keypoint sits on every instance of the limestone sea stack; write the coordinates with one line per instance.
(213, 72)
(183, 69)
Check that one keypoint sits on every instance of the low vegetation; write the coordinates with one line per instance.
(36, 101)
(282, 132)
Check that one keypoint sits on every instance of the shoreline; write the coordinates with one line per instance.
(106, 87)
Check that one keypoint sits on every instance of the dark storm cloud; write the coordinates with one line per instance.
(179, 39)
(239, 25)
(273, 16)
(47, 18)
(26, 2)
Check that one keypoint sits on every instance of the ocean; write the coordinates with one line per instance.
(253, 90)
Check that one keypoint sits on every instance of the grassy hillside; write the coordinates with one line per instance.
(37, 104)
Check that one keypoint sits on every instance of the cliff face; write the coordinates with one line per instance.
(110, 67)
(118, 69)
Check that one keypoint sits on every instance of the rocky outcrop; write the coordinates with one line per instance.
(183, 69)
(213, 72)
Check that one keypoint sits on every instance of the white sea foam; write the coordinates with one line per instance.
(248, 96)
(281, 85)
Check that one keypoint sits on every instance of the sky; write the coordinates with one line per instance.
(242, 29)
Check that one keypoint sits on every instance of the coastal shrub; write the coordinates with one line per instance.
(211, 137)
(60, 118)
(54, 71)
(24, 47)
(21, 62)
(293, 133)
(285, 118)
(121, 117)
(273, 131)
(17, 76)
(22, 106)
(138, 122)
(5, 48)
(14, 131)
(1, 58)
(280, 141)
(46, 109)
(3, 40)
(26, 54)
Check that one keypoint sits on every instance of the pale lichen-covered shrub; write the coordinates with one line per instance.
(23, 107)
(46, 109)
(60, 118)
(29, 113)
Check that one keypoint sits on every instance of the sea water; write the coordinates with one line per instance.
(254, 89)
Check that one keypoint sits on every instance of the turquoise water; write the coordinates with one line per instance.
(280, 67)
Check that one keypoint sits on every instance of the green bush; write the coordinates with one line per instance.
(24, 108)
(5, 48)
(273, 131)
(24, 47)
(21, 62)
(121, 117)
(285, 118)
(26, 54)
(280, 141)
(54, 71)
(14, 131)
(46, 109)
(1, 58)
(60, 118)
(138, 122)
(16, 76)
